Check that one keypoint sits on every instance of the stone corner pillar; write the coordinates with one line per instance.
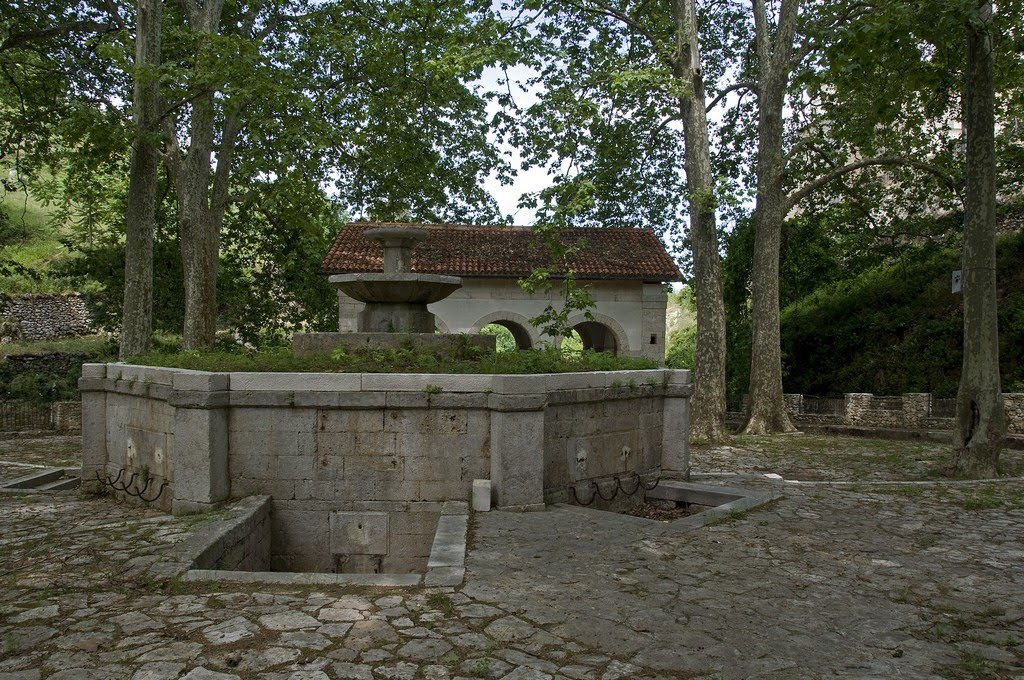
(517, 451)
(916, 407)
(675, 433)
(92, 386)
(200, 466)
(653, 343)
(856, 406)
(794, 403)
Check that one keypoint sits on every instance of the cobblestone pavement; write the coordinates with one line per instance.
(23, 455)
(881, 581)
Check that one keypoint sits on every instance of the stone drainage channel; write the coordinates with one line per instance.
(706, 504)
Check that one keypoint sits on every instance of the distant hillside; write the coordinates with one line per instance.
(898, 328)
(29, 238)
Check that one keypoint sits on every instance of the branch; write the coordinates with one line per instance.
(762, 38)
(803, 192)
(27, 37)
(232, 127)
(732, 88)
(172, 155)
(607, 10)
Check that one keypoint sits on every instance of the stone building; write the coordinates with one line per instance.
(624, 269)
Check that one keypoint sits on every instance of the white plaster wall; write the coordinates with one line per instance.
(633, 310)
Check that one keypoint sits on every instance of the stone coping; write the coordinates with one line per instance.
(181, 379)
(726, 502)
(193, 558)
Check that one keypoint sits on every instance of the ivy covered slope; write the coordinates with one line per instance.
(898, 328)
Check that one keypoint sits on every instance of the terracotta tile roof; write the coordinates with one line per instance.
(500, 251)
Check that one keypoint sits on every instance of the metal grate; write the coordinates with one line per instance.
(943, 408)
(734, 404)
(16, 416)
(824, 405)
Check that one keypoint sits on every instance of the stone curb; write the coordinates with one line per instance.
(727, 500)
(194, 561)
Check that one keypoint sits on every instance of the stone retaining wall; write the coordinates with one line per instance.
(43, 317)
(908, 411)
(239, 539)
(359, 465)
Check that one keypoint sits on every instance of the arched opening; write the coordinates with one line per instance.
(510, 335)
(572, 343)
(596, 336)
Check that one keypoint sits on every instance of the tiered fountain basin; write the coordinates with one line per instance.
(395, 312)
(358, 466)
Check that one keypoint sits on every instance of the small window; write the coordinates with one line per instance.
(654, 338)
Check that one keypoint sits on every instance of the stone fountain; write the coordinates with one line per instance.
(396, 300)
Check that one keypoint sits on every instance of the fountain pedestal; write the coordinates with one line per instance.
(396, 302)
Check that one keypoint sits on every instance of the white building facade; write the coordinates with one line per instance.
(625, 271)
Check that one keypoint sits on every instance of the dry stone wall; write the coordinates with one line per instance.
(907, 411)
(43, 317)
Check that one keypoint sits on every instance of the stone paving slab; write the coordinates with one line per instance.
(882, 581)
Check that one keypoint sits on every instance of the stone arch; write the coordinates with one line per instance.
(517, 324)
(602, 333)
(440, 326)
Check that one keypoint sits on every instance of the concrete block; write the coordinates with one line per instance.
(294, 467)
(296, 529)
(375, 444)
(517, 402)
(332, 448)
(361, 400)
(359, 533)
(337, 421)
(256, 444)
(454, 508)
(295, 382)
(314, 489)
(675, 445)
(678, 376)
(261, 420)
(199, 381)
(481, 495)
(418, 382)
(433, 468)
(517, 458)
(94, 434)
(449, 544)
(522, 384)
(94, 370)
(317, 400)
(146, 375)
(421, 422)
(200, 456)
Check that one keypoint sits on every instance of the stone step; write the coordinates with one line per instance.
(34, 480)
(63, 484)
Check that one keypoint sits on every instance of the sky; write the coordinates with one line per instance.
(526, 181)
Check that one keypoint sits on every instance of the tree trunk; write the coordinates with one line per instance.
(200, 251)
(767, 407)
(980, 417)
(140, 212)
(708, 421)
(200, 238)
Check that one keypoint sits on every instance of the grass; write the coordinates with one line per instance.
(469, 359)
(34, 242)
(441, 602)
(92, 345)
